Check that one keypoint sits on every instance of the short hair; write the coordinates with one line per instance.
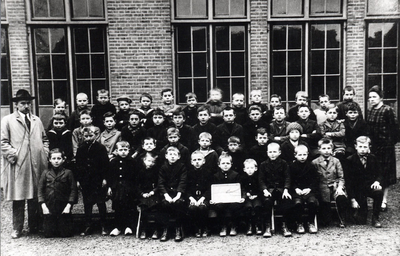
(254, 107)
(274, 144)
(303, 94)
(262, 131)
(237, 95)
(59, 101)
(55, 151)
(166, 90)
(351, 106)
(348, 88)
(203, 108)
(304, 106)
(215, 90)
(147, 95)
(85, 112)
(82, 94)
(224, 155)
(205, 135)
(102, 91)
(91, 129)
(135, 112)
(280, 108)
(109, 114)
(250, 161)
(332, 106)
(159, 112)
(323, 96)
(255, 91)
(363, 139)
(276, 96)
(150, 155)
(149, 138)
(191, 95)
(179, 112)
(59, 117)
(173, 149)
(123, 144)
(228, 108)
(300, 147)
(197, 153)
(325, 141)
(234, 139)
(173, 131)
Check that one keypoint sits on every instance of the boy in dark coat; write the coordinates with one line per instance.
(91, 171)
(254, 122)
(278, 126)
(173, 136)
(253, 203)
(102, 106)
(259, 151)
(294, 131)
(60, 137)
(190, 109)
(122, 116)
(228, 128)
(172, 181)
(363, 179)
(238, 106)
(121, 180)
(304, 188)
(204, 125)
(311, 131)
(133, 132)
(186, 132)
(57, 193)
(237, 153)
(159, 131)
(199, 180)
(355, 127)
(210, 155)
(301, 99)
(274, 181)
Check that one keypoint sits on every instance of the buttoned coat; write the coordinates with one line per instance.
(172, 179)
(330, 176)
(20, 179)
(274, 175)
(223, 134)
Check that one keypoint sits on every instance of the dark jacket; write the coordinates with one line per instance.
(57, 187)
(61, 139)
(354, 130)
(309, 126)
(159, 133)
(191, 115)
(223, 133)
(304, 175)
(278, 130)
(122, 177)
(293, 117)
(188, 138)
(259, 153)
(122, 119)
(134, 136)
(250, 131)
(184, 151)
(274, 175)
(199, 182)
(241, 115)
(359, 179)
(250, 184)
(211, 129)
(98, 111)
(172, 179)
(221, 177)
(287, 150)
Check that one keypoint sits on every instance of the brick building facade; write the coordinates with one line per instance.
(57, 48)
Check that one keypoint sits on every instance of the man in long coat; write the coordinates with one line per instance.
(24, 147)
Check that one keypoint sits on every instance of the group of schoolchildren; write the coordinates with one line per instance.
(165, 160)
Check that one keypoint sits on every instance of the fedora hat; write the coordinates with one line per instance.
(22, 95)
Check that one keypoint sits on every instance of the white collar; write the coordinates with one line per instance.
(23, 115)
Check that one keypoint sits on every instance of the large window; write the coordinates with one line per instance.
(383, 49)
(306, 48)
(6, 91)
(210, 45)
(69, 49)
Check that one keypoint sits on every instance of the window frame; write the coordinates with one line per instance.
(5, 25)
(307, 21)
(210, 22)
(369, 15)
(68, 23)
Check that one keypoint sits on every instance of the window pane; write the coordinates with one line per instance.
(390, 61)
(82, 66)
(40, 8)
(221, 7)
(97, 85)
(382, 7)
(317, 85)
(57, 40)
(184, 38)
(81, 40)
(199, 39)
(295, 85)
(59, 67)
(333, 35)
(295, 37)
(287, 7)
(97, 40)
(184, 87)
(224, 85)
(375, 35)
(222, 37)
(390, 35)
(96, 8)
(3, 10)
(279, 63)
(191, 8)
(57, 8)
(42, 40)
(185, 65)
(238, 85)
(238, 7)
(279, 34)
(199, 64)
(295, 63)
(183, 7)
(238, 64)
(317, 62)
(389, 86)
(84, 86)
(98, 66)
(200, 89)
(333, 87)
(332, 62)
(318, 36)
(4, 66)
(279, 87)
(375, 61)
(87, 8)
(199, 8)
(61, 90)
(43, 67)
(319, 7)
(80, 8)
(5, 93)
(48, 8)
(229, 7)
(45, 93)
(237, 38)
(373, 80)
(222, 63)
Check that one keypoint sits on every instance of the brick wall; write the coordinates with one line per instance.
(140, 47)
(355, 48)
(259, 47)
(18, 44)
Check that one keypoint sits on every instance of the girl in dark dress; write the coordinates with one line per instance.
(383, 131)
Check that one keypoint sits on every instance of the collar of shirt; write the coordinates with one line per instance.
(23, 115)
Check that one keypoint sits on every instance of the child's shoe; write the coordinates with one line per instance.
(285, 230)
(258, 229)
(87, 231)
(103, 231)
(155, 235)
(267, 232)
(178, 235)
(115, 232)
(312, 229)
(300, 228)
(164, 236)
(142, 235)
(375, 222)
(249, 230)
(233, 231)
(223, 231)
(206, 232)
(198, 233)
(128, 231)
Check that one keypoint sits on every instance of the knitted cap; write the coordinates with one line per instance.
(294, 126)
(377, 89)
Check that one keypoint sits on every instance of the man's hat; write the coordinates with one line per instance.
(22, 95)
(124, 98)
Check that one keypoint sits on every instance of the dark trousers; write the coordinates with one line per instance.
(174, 210)
(198, 214)
(228, 213)
(19, 214)
(325, 215)
(360, 214)
(283, 205)
(124, 215)
(58, 225)
(88, 208)
(253, 210)
(300, 203)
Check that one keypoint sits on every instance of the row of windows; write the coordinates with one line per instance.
(211, 48)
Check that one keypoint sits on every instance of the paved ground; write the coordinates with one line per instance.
(354, 240)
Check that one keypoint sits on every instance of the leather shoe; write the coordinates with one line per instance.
(206, 232)
(164, 236)
(15, 234)
(267, 232)
(223, 231)
(258, 229)
(103, 231)
(300, 229)
(249, 230)
(87, 231)
(155, 235)
(376, 223)
(285, 230)
(143, 235)
(233, 231)
(198, 233)
(178, 235)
